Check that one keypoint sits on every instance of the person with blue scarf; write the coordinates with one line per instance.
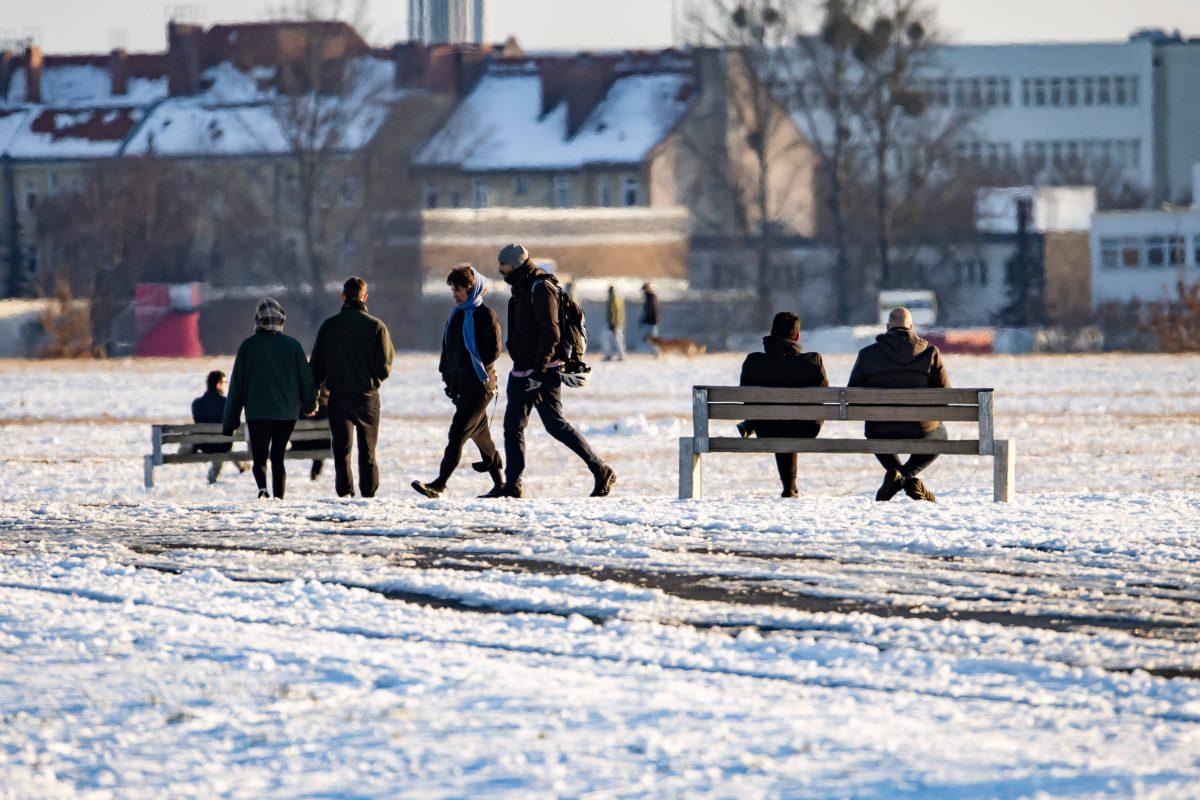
(470, 347)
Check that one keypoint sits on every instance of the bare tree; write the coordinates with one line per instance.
(130, 223)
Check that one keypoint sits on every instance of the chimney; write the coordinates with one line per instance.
(33, 73)
(118, 70)
(183, 58)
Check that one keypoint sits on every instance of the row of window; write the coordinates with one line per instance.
(1134, 252)
(560, 192)
(1038, 155)
(995, 91)
(29, 188)
(970, 272)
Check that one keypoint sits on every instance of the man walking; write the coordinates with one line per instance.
(649, 321)
(534, 345)
(900, 359)
(352, 357)
(615, 313)
(783, 364)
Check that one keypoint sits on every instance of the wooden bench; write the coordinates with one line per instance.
(840, 404)
(307, 431)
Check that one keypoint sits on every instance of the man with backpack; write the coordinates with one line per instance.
(545, 356)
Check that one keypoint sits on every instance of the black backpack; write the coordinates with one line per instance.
(572, 327)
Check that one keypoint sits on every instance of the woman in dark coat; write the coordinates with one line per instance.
(470, 346)
(272, 381)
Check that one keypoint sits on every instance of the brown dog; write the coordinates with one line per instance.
(683, 347)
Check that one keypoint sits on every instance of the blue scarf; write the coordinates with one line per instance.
(474, 300)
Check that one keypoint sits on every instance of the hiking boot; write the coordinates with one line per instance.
(917, 490)
(605, 479)
(893, 482)
(263, 494)
(503, 490)
(431, 490)
(744, 430)
(790, 492)
(315, 472)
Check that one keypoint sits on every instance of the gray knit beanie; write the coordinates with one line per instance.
(514, 255)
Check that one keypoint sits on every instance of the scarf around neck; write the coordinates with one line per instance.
(474, 300)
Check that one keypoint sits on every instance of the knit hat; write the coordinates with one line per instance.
(514, 255)
(269, 315)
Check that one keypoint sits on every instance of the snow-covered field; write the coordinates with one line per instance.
(194, 642)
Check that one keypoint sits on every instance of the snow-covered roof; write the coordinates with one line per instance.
(241, 114)
(500, 125)
(49, 133)
(85, 85)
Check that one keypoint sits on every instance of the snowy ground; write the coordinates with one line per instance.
(193, 642)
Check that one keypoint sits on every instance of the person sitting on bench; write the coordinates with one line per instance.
(782, 364)
(900, 359)
(210, 407)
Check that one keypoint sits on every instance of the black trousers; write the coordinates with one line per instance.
(469, 423)
(787, 464)
(916, 462)
(354, 415)
(548, 402)
(269, 439)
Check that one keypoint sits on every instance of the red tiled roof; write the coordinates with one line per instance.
(97, 125)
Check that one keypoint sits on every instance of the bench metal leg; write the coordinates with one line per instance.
(691, 483)
(148, 472)
(1004, 464)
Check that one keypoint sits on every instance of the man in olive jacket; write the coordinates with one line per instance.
(900, 359)
(783, 364)
(534, 345)
(352, 357)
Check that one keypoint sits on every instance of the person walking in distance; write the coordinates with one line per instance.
(470, 346)
(353, 357)
(272, 382)
(615, 316)
(783, 364)
(534, 343)
(900, 359)
(649, 321)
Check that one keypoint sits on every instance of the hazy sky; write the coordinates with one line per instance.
(96, 25)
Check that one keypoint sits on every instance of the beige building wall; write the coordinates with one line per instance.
(1067, 289)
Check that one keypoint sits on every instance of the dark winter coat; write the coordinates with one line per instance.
(458, 373)
(533, 334)
(270, 380)
(210, 408)
(899, 359)
(650, 309)
(782, 364)
(353, 352)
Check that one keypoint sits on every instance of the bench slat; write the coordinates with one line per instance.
(215, 427)
(235, 455)
(831, 394)
(728, 444)
(741, 411)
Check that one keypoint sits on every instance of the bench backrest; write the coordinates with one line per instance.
(841, 403)
(306, 430)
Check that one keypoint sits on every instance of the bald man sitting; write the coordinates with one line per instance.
(900, 359)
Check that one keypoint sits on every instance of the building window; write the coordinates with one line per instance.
(631, 190)
(1131, 253)
(1196, 251)
(1176, 251)
(479, 188)
(1039, 91)
(1089, 91)
(1072, 87)
(348, 195)
(970, 273)
(51, 183)
(562, 191)
(604, 191)
(1120, 97)
(1006, 92)
(291, 190)
(29, 189)
(1132, 84)
(1056, 95)
(1103, 90)
(1156, 251)
(76, 185)
(942, 88)
(976, 92)
(521, 185)
(430, 199)
(1110, 253)
(455, 198)
(1026, 96)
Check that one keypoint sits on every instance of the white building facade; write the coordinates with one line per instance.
(1057, 106)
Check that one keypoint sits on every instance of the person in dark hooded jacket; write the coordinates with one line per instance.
(534, 343)
(900, 359)
(470, 347)
(783, 364)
